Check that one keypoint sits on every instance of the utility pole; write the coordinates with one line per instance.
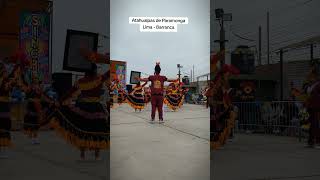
(221, 16)
(191, 77)
(193, 73)
(281, 74)
(179, 73)
(222, 43)
(259, 63)
(268, 37)
(311, 52)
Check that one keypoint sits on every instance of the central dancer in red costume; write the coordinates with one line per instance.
(157, 92)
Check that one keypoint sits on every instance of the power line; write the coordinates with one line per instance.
(295, 36)
(243, 38)
(299, 4)
(309, 35)
(289, 34)
(282, 29)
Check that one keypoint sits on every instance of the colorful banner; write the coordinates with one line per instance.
(121, 74)
(34, 40)
(118, 70)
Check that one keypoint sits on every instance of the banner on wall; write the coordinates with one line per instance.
(121, 74)
(118, 71)
(34, 40)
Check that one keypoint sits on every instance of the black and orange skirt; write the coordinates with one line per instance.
(221, 127)
(174, 101)
(122, 98)
(136, 101)
(84, 125)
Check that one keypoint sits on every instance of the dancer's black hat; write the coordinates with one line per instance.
(157, 68)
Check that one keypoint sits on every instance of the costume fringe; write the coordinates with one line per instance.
(76, 141)
(5, 142)
(225, 134)
(88, 115)
(173, 107)
(135, 106)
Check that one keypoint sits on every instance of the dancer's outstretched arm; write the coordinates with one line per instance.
(135, 89)
(106, 76)
(143, 79)
(144, 84)
(94, 56)
(172, 80)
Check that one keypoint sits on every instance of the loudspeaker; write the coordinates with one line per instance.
(62, 83)
(76, 47)
(129, 88)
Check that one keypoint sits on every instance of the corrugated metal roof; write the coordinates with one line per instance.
(304, 43)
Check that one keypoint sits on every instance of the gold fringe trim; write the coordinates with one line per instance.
(172, 107)
(5, 142)
(75, 140)
(224, 136)
(134, 105)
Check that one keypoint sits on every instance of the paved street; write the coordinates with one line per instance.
(258, 157)
(177, 150)
(53, 159)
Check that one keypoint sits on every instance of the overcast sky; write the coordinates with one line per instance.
(189, 46)
(290, 21)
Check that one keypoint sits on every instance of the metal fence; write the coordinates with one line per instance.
(275, 117)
